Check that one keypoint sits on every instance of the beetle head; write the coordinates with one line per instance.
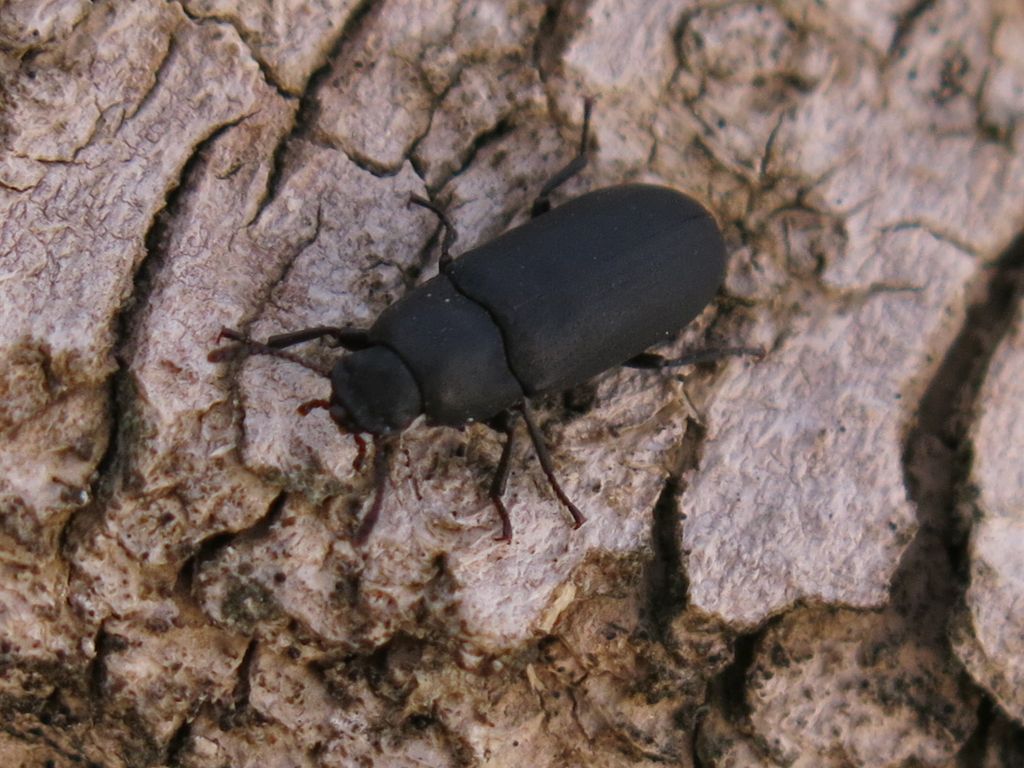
(373, 391)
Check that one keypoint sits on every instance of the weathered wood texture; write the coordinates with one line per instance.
(775, 551)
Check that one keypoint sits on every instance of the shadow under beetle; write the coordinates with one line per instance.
(576, 290)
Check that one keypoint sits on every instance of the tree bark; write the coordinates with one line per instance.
(810, 559)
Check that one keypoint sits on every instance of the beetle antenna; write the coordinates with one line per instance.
(248, 346)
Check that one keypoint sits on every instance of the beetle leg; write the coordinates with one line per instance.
(381, 460)
(350, 338)
(650, 360)
(309, 406)
(542, 204)
(547, 465)
(450, 233)
(500, 481)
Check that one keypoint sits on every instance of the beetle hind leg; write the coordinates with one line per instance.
(450, 233)
(543, 204)
(652, 361)
(544, 456)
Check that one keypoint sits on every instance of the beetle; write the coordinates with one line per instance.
(576, 290)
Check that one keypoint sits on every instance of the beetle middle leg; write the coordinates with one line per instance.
(547, 465)
(652, 361)
(543, 204)
(382, 448)
(505, 422)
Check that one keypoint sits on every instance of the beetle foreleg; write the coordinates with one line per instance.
(357, 462)
(309, 406)
(650, 360)
(542, 204)
(381, 460)
(500, 481)
(547, 465)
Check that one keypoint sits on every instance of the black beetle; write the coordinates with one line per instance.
(571, 293)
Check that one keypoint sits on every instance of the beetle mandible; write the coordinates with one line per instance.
(576, 290)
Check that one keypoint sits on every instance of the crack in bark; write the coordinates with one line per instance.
(36, 735)
(945, 415)
(668, 587)
(437, 98)
(119, 387)
(179, 743)
(727, 690)
(265, 298)
(500, 130)
(946, 409)
(561, 20)
(905, 25)
(274, 178)
(849, 299)
(973, 751)
(667, 579)
(932, 230)
(998, 742)
(769, 145)
(96, 671)
(435, 104)
(158, 79)
(240, 695)
(730, 686)
(307, 114)
(247, 37)
(209, 549)
(370, 166)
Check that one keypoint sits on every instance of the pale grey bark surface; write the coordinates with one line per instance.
(814, 559)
